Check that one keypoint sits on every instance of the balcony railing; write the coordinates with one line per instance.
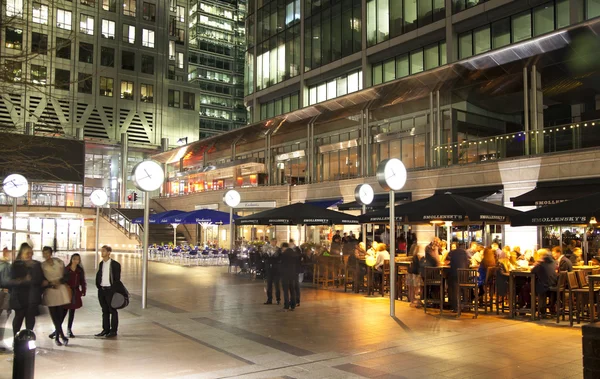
(121, 222)
(553, 139)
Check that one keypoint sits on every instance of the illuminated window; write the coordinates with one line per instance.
(106, 86)
(108, 29)
(129, 8)
(86, 24)
(126, 90)
(63, 19)
(148, 38)
(14, 38)
(128, 33)
(146, 93)
(39, 74)
(180, 14)
(179, 60)
(40, 14)
(14, 8)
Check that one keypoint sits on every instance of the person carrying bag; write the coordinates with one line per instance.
(56, 293)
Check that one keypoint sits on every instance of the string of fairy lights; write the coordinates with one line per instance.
(449, 147)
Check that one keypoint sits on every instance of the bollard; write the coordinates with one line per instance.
(24, 358)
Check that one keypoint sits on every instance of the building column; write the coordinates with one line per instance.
(430, 157)
(537, 111)
(576, 11)
(123, 171)
(366, 66)
(451, 46)
(164, 190)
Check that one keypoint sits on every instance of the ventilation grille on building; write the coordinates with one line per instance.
(48, 121)
(64, 106)
(135, 131)
(5, 119)
(94, 127)
(15, 100)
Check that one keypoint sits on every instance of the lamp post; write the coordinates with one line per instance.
(15, 186)
(99, 199)
(391, 175)
(147, 176)
(232, 199)
(174, 233)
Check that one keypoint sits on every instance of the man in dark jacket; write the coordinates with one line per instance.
(545, 276)
(300, 258)
(108, 282)
(562, 262)
(456, 259)
(272, 258)
(289, 275)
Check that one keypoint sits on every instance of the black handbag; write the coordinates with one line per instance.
(119, 301)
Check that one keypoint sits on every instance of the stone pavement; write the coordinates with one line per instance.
(202, 322)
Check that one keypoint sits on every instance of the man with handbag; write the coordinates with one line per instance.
(108, 281)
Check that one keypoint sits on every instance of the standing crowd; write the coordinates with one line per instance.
(26, 285)
(283, 268)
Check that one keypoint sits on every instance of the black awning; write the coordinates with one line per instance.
(325, 203)
(572, 212)
(298, 214)
(477, 193)
(547, 193)
(380, 201)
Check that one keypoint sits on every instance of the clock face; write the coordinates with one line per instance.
(391, 174)
(99, 198)
(148, 176)
(15, 185)
(232, 198)
(364, 194)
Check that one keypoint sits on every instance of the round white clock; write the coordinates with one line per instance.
(15, 185)
(148, 176)
(364, 194)
(232, 198)
(99, 198)
(391, 174)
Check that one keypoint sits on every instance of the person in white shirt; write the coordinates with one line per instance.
(108, 281)
(382, 256)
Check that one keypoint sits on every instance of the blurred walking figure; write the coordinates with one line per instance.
(76, 281)
(273, 255)
(25, 288)
(4, 286)
(108, 281)
(56, 293)
(300, 257)
(289, 275)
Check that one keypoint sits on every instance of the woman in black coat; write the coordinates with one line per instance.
(25, 288)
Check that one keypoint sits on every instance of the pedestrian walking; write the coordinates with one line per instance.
(289, 275)
(76, 281)
(108, 282)
(300, 258)
(25, 288)
(4, 295)
(56, 293)
(272, 257)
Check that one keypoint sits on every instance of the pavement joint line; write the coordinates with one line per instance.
(248, 362)
(266, 341)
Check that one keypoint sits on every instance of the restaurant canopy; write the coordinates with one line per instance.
(158, 218)
(444, 207)
(200, 216)
(298, 214)
(554, 192)
(325, 203)
(573, 212)
(478, 193)
(380, 201)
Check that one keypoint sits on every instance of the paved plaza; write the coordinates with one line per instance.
(202, 322)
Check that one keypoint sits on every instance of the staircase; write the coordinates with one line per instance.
(121, 219)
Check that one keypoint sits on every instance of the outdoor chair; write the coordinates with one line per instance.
(468, 294)
(433, 280)
(575, 296)
(385, 278)
(401, 283)
(349, 274)
(582, 278)
(560, 294)
(489, 289)
(501, 291)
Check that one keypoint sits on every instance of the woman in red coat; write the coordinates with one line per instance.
(76, 281)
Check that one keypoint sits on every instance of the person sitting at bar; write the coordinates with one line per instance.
(488, 261)
(562, 263)
(373, 249)
(575, 258)
(477, 256)
(473, 248)
(497, 249)
(523, 259)
(545, 276)
(382, 256)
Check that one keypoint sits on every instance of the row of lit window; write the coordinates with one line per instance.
(533, 22)
(14, 8)
(416, 61)
(282, 105)
(335, 88)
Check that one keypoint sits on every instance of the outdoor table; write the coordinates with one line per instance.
(585, 268)
(591, 280)
(512, 290)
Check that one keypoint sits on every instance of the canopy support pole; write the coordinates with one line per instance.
(231, 229)
(364, 228)
(448, 234)
(560, 238)
(484, 235)
(392, 249)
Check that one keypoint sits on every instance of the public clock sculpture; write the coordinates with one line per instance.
(391, 174)
(148, 176)
(15, 185)
(364, 194)
(232, 198)
(99, 198)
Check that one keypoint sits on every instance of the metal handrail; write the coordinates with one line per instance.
(126, 227)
